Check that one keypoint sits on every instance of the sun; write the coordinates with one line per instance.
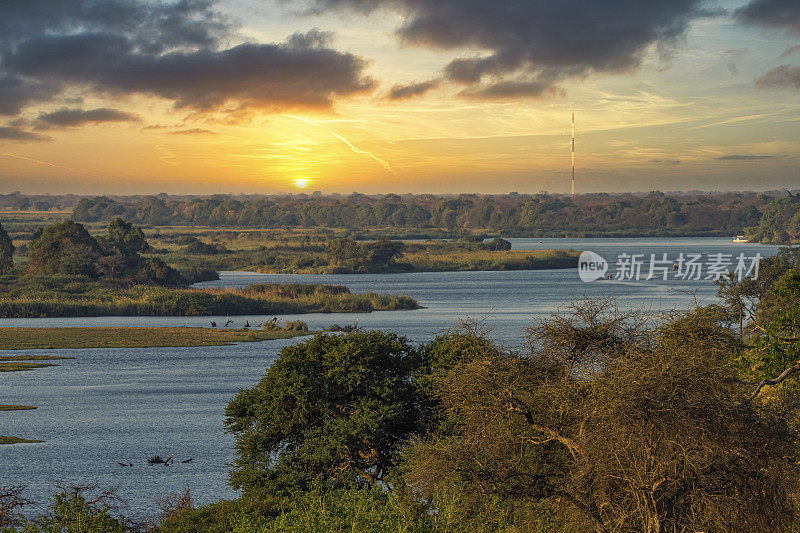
(301, 183)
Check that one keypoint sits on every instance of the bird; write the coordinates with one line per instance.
(247, 323)
(213, 324)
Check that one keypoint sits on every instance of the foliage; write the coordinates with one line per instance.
(780, 223)
(64, 248)
(84, 509)
(125, 239)
(37, 296)
(512, 214)
(334, 409)
(646, 430)
(6, 252)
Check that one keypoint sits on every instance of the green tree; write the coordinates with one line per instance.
(64, 248)
(6, 252)
(334, 409)
(384, 252)
(125, 239)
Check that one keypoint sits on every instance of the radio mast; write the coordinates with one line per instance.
(573, 155)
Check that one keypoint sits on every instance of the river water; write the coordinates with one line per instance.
(122, 405)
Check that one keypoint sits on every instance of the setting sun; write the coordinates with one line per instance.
(301, 183)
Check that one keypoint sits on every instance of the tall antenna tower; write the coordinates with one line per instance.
(573, 155)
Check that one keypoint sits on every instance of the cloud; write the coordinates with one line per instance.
(523, 47)
(784, 76)
(401, 92)
(781, 14)
(194, 131)
(789, 51)
(669, 162)
(65, 118)
(172, 50)
(16, 93)
(744, 157)
(515, 89)
(16, 134)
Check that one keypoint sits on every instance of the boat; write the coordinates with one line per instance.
(739, 238)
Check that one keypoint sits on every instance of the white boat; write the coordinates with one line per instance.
(739, 238)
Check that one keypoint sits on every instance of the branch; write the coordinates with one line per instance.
(518, 406)
(774, 381)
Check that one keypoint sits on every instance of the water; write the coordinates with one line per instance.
(110, 405)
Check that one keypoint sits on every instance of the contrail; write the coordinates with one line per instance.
(381, 162)
(50, 164)
(385, 164)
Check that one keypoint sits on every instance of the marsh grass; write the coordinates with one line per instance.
(424, 260)
(16, 440)
(6, 358)
(16, 407)
(61, 296)
(128, 337)
(21, 367)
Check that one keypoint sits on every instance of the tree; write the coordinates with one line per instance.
(650, 430)
(499, 244)
(63, 248)
(125, 239)
(6, 252)
(384, 252)
(335, 409)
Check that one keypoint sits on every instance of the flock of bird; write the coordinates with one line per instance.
(157, 460)
(229, 322)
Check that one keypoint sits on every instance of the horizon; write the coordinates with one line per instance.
(127, 97)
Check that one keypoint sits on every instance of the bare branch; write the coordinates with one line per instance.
(774, 381)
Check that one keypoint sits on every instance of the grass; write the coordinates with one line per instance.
(129, 337)
(75, 296)
(16, 440)
(306, 254)
(457, 260)
(15, 407)
(21, 367)
(6, 358)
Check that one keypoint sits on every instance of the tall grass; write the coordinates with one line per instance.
(62, 296)
(446, 261)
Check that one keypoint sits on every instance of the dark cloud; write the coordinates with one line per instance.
(169, 49)
(781, 77)
(194, 131)
(16, 93)
(153, 26)
(743, 157)
(525, 45)
(401, 92)
(782, 14)
(515, 89)
(65, 118)
(669, 162)
(301, 72)
(16, 134)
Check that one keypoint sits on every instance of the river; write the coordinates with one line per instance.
(110, 405)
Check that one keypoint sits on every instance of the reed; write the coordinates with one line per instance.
(63, 296)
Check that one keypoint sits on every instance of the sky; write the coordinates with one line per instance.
(378, 96)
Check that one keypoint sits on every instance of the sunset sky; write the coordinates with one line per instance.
(194, 96)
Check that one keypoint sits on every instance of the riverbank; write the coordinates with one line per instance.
(132, 337)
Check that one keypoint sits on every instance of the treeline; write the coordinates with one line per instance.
(780, 223)
(510, 214)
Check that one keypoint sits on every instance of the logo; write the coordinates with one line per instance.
(591, 266)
